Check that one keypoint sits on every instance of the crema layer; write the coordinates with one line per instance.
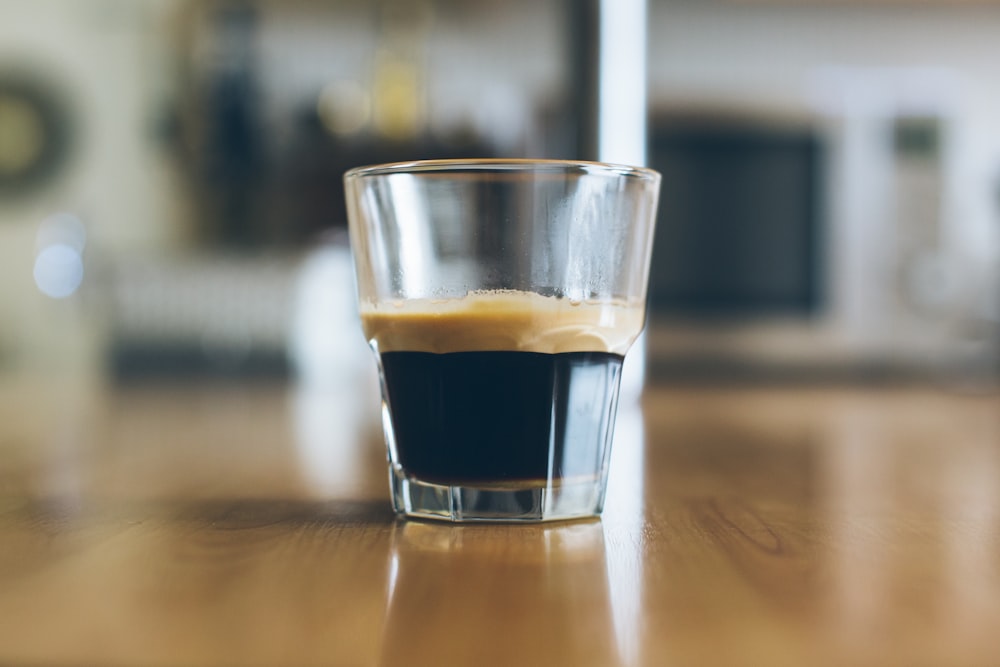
(502, 320)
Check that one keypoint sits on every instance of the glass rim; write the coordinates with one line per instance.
(501, 165)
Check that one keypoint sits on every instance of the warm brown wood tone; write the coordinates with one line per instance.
(249, 526)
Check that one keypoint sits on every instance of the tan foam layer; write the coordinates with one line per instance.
(508, 320)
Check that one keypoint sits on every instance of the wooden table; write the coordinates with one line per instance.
(226, 525)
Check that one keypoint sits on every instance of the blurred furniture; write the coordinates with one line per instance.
(203, 314)
(218, 525)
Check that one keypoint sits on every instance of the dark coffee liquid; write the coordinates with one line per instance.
(475, 417)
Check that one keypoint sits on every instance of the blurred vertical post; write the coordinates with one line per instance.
(621, 76)
(608, 55)
(608, 51)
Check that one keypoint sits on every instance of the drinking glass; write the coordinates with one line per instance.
(500, 298)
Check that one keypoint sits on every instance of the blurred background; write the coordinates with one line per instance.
(170, 173)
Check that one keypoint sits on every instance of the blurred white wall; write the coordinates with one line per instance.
(106, 61)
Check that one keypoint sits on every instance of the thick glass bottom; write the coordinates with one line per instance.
(515, 502)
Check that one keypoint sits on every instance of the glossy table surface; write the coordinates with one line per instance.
(249, 525)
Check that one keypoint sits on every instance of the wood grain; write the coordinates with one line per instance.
(225, 525)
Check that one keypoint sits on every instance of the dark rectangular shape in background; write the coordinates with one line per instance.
(739, 220)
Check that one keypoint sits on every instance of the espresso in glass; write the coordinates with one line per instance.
(501, 388)
(500, 298)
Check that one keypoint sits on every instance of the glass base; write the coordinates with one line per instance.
(517, 502)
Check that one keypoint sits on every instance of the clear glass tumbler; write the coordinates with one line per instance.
(500, 298)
